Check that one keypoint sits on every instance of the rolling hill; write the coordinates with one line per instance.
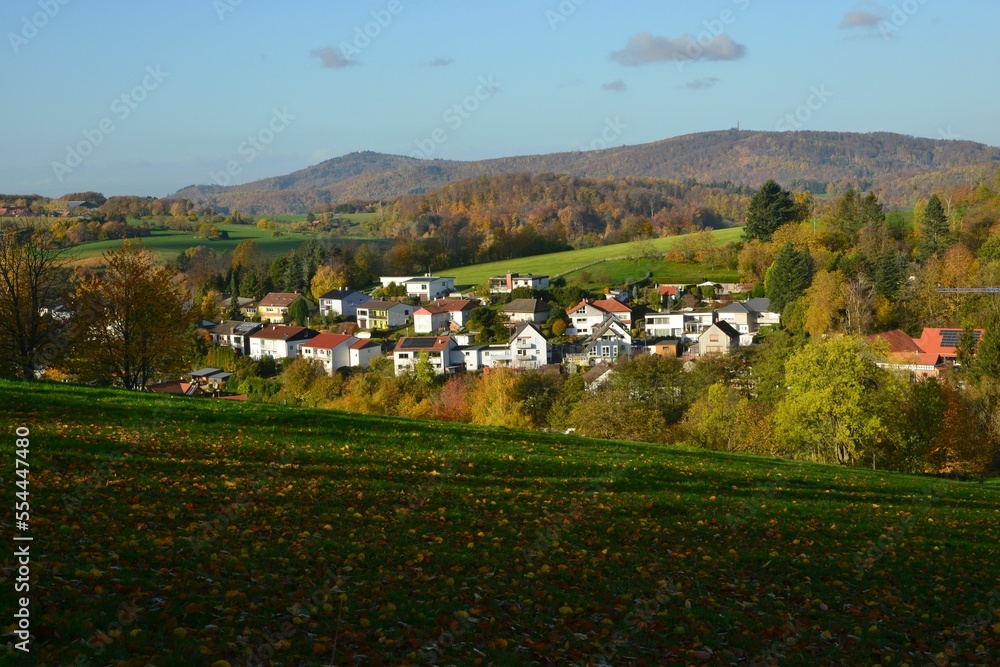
(186, 531)
(890, 164)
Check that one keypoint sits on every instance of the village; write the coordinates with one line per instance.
(599, 333)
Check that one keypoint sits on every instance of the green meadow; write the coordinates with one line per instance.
(179, 531)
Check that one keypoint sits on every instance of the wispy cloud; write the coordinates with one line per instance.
(701, 84)
(860, 19)
(646, 48)
(441, 62)
(616, 86)
(332, 58)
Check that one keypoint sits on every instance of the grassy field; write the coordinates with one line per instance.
(572, 260)
(179, 531)
(620, 271)
(166, 245)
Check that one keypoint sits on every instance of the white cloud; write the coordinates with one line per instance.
(646, 48)
(616, 86)
(701, 84)
(332, 58)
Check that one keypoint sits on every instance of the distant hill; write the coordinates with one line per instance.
(893, 165)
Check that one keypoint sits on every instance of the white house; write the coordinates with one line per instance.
(441, 314)
(477, 357)
(279, 341)
(442, 352)
(529, 349)
(510, 282)
(336, 351)
(739, 316)
(424, 288)
(527, 310)
(665, 325)
(762, 307)
(341, 302)
(588, 315)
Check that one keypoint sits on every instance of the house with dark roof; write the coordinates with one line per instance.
(273, 308)
(597, 375)
(442, 352)
(527, 310)
(341, 302)
(720, 338)
(529, 349)
(234, 334)
(279, 341)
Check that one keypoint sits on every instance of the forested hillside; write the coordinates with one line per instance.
(899, 168)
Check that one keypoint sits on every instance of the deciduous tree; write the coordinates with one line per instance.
(129, 323)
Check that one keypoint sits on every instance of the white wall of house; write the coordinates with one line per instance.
(362, 358)
(430, 322)
(665, 325)
(346, 307)
(269, 347)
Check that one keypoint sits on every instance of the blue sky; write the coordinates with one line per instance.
(160, 95)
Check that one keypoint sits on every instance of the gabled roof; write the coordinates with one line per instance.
(759, 305)
(612, 306)
(362, 343)
(726, 328)
(899, 342)
(339, 294)
(279, 299)
(735, 307)
(328, 341)
(423, 344)
(596, 372)
(455, 305)
(943, 341)
(527, 306)
(282, 332)
(431, 309)
(603, 305)
(668, 290)
(609, 322)
(526, 325)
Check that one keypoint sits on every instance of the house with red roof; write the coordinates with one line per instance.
(589, 315)
(442, 314)
(907, 355)
(336, 351)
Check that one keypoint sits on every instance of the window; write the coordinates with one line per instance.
(713, 338)
(404, 355)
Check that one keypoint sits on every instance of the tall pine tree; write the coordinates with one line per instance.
(935, 236)
(789, 276)
(770, 208)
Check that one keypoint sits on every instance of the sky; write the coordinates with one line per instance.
(147, 97)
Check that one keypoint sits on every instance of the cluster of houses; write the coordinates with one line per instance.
(604, 329)
(926, 357)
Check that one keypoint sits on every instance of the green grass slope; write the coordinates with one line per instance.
(573, 261)
(179, 531)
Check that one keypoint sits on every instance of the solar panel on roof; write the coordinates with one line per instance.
(418, 343)
(950, 337)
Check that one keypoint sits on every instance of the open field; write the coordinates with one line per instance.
(620, 271)
(572, 260)
(166, 245)
(179, 531)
